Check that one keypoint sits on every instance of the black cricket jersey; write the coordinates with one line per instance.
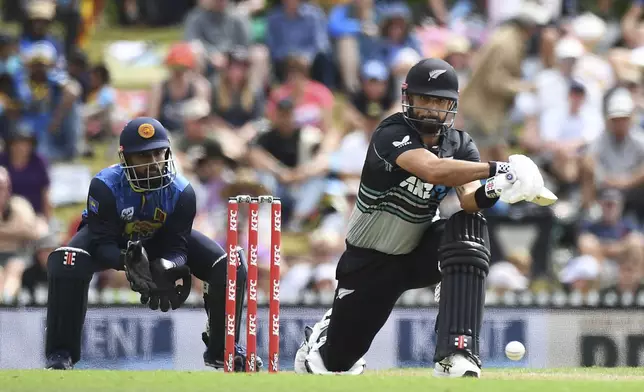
(394, 208)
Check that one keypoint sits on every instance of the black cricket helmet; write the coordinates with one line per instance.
(141, 135)
(433, 78)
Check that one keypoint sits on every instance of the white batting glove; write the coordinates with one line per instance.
(499, 184)
(525, 178)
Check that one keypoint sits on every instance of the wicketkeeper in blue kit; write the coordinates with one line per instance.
(139, 219)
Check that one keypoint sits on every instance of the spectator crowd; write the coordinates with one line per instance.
(282, 98)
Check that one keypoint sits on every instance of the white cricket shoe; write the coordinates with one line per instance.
(315, 365)
(308, 359)
(457, 365)
(302, 352)
(311, 336)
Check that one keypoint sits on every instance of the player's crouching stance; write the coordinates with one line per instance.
(139, 219)
(394, 244)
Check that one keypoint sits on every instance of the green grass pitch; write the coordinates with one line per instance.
(407, 380)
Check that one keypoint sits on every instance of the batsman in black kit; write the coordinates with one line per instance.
(395, 242)
(139, 219)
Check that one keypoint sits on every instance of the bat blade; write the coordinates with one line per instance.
(545, 198)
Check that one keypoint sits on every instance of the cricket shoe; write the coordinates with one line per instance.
(239, 360)
(308, 358)
(457, 365)
(59, 360)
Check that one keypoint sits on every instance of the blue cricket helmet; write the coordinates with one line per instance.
(138, 136)
(143, 134)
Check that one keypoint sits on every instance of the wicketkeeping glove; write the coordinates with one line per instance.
(137, 268)
(168, 295)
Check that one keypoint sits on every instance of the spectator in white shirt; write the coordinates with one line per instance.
(552, 83)
(562, 134)
(616, 158)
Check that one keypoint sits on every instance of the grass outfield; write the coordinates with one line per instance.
(408, 380)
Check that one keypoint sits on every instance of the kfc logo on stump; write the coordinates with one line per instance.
(252, 289)
(254, 220)
(252, 325)
(253, 255)
(277, 220)
(276, 255)
(232, 219)
(230, 325)
(231, 290)
(275, 325)
(276, 290)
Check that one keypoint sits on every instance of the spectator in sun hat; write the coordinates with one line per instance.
(50, 100)
(196, 129)
(167, 98)
(581, 274)
(211, 173)
(374, 100)
(36, 27)
(616, 158)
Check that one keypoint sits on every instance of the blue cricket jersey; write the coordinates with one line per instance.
(115, 214)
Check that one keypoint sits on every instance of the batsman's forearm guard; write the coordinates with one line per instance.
(465, 262)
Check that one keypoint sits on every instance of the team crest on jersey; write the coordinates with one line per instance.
(142, 229)
(127, 214)
(422, 189)
(159, 215)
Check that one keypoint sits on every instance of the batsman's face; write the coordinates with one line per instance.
(425, 108)
(148, 163)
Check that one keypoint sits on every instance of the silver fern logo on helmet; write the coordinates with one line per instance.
(435, 74)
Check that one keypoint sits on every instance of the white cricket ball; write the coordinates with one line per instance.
(515, 350)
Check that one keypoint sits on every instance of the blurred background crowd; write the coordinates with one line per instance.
(281, 97)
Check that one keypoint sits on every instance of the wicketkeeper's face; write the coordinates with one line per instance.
(148, 163)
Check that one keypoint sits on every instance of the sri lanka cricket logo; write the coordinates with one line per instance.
(142, 229)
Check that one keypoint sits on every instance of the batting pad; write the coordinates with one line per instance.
(465, 261)
(69, 274)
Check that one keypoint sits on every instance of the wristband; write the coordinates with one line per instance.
(498, 168)
(492, 172)
(485, 199)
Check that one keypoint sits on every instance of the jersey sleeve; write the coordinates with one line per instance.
(391, 141)
(104, 225)
(174, 234)
(469, 151)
